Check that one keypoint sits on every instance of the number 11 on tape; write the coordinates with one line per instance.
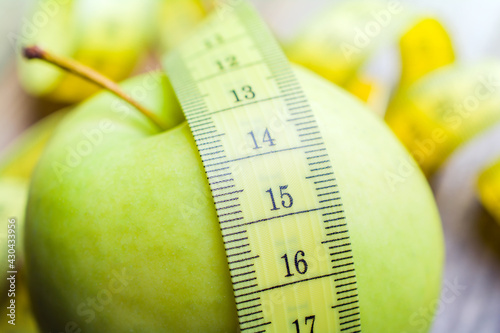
(280, 210)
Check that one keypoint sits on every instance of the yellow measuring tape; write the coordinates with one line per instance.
(278, 201)
(444, 109)
(489, 189)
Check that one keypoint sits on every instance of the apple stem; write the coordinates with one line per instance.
(91, 75)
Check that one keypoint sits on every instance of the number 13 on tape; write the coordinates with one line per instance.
(280, 211)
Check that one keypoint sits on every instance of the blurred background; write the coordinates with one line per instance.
(401, 72)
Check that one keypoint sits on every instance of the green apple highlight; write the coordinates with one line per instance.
(125, 238)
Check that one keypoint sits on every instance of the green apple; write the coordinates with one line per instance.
(122, 233)
(110, 36)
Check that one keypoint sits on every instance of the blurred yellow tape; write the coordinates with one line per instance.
(444, 109)
(424, 48)
(489, 190)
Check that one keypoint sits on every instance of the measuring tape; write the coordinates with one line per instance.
(277, 201)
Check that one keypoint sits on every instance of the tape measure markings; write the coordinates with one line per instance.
(233, 198)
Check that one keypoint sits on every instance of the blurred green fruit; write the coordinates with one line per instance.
(16, 166)
(110, 36)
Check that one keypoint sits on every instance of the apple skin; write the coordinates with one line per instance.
(127, 237)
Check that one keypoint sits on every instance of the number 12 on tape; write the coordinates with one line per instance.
(280, 211)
